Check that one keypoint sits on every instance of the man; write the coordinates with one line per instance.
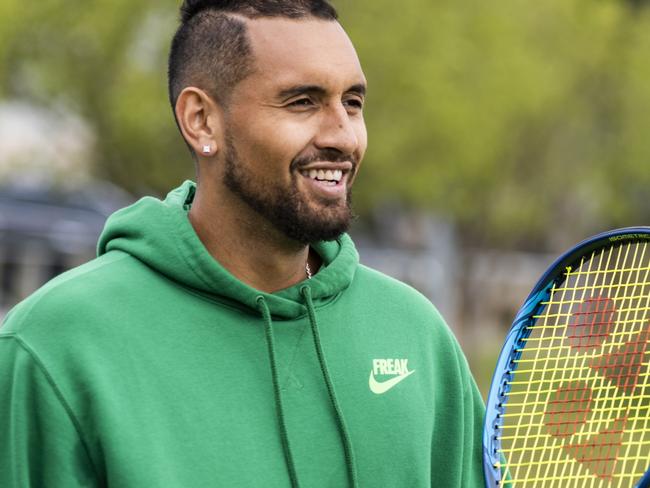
(227, 336)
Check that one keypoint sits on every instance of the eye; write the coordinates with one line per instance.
(354, 103)
(301, 103)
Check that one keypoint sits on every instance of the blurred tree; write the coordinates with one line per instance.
(106, 61)
(523, 120)
(635, 4)
(512, 117)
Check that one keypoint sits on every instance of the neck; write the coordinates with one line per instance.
(248, 246)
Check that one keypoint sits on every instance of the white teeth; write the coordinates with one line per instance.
(330, 176)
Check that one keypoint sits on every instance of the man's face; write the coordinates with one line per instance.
(295, 133)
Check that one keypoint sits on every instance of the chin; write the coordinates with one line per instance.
(322, 224)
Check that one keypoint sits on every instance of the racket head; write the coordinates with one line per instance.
(560, 432)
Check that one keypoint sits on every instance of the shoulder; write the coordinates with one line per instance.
(384, 287)
(78, 293)
(389, 297)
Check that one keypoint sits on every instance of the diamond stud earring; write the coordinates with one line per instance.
(207, 149)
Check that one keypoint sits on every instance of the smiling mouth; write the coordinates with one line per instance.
(327, 177)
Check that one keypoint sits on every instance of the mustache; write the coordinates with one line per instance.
(329, 155)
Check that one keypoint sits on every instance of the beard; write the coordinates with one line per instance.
(286, 208)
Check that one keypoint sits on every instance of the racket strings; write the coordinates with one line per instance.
(626, 366)
(579, 402)
(598, 453)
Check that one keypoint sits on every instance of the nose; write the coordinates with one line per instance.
(337, 130)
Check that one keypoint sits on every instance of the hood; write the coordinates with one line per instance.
(159, 233)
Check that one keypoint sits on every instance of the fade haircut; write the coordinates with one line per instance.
(211, 49)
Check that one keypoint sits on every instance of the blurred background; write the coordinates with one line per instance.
(501, 133)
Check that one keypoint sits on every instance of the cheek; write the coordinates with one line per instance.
(267, 150)
(264, 134)
(280, 142)
(362, 138)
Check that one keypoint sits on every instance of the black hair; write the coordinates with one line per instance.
(211, 49)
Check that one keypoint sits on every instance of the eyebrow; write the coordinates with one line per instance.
(359, 89)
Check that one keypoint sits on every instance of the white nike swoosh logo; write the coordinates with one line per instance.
(384, 386)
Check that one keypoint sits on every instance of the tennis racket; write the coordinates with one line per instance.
(569, 404)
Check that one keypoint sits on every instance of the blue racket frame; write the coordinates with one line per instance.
(645, 481)
(514, 344)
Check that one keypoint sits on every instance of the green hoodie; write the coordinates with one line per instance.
(152, 366)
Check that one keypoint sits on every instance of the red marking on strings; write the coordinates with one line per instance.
(599, 453)
(624, 365)
(592, 323)
(567, 409)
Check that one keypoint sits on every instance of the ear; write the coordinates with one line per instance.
(200, 122)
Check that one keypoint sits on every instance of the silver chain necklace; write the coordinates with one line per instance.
(308, 270)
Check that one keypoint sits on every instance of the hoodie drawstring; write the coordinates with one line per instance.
(270, 342)
(347, 442)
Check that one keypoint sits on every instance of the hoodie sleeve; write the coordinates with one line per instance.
(39, 442)
(457, 444)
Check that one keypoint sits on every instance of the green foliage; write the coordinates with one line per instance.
(524, 121)
(527, 122)
(106, 60)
